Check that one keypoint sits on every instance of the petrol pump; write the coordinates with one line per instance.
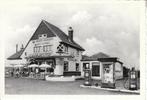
(87, 76)
(133, 79)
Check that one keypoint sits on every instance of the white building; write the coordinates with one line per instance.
(52, 46)
(97, 63)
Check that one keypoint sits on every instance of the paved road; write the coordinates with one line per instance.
(32, 86)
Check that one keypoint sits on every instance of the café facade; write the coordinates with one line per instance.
(49, 45)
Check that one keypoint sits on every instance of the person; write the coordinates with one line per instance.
(17, 73)
(11, 72)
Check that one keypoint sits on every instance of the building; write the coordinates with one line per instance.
(98, 64)
(49, 45)
(52, 46)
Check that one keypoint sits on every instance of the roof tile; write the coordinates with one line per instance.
(16, 55)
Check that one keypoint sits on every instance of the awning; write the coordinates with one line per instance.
(45, 65)
(18, 65)
(33, 65)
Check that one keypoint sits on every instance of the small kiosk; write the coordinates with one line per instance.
(108, 72)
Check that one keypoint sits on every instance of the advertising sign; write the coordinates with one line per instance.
(43, 41)
(108, 73)
(108, 80)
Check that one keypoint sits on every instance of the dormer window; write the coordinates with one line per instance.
(40, 36)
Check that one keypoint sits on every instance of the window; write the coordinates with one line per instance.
(25, 53)
(78, 52)
(66, 49)
(37, 49)
(95, 69)
(65, 66)
(77, 66)
(42, 36)
(45, 35)
(47, 48)
(86, 66)
(39, 36)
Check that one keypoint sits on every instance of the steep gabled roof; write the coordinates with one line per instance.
(42, 29)
(100, 55)
(95, 57)
(16, 55)
(46, 27)
(65, 39)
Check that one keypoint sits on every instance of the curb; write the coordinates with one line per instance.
(108, 89)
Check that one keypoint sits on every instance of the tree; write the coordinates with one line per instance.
(125, 71)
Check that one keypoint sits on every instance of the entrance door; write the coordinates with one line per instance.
(95, 70)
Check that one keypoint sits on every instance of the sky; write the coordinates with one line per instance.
(112, 28)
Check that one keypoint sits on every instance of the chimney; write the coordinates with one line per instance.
(70, 33)
(16, 47)
(22, 47)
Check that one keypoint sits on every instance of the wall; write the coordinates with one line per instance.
(118, 71)
(59, 66)
(54, 41)
(76, 59)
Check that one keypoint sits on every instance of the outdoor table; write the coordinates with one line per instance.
(37, 76)
(32, 75)
(42, 75)
(17, 74)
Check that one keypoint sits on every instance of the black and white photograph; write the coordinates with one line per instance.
(72, 48)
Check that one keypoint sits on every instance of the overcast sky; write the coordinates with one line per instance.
(98, 27)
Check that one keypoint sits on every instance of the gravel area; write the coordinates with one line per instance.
(32, 87)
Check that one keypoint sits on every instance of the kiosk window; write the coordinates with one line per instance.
(86, 66)
(95, 69)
